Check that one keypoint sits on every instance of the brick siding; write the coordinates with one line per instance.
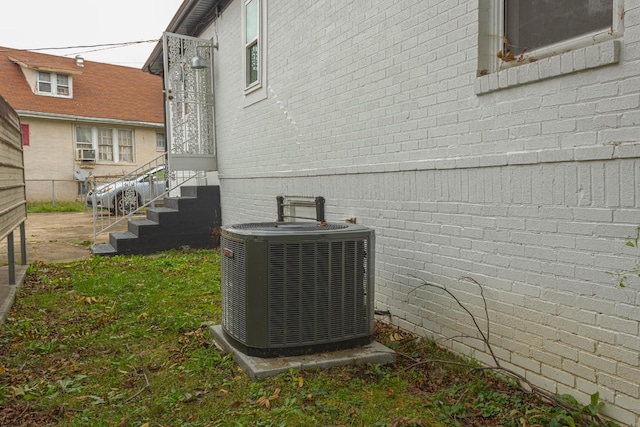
(530, 189)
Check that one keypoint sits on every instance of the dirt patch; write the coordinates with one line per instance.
(56, 237)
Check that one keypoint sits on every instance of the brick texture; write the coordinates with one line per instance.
(531, 188)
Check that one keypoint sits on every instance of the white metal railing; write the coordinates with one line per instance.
(115, 200)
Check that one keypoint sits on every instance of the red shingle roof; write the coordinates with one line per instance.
(99, 90)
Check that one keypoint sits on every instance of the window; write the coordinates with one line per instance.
(539, 39)
(111, 145)
(534, 24)
(161, 142)
(252, 27)
(105, 144)
(125, 145)
(83, 137)
(53, 84)
(254, 59)
(62, 86)
(25, 134)
(44, 82)
(83, 188)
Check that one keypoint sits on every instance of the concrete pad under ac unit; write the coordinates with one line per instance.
(259, 368)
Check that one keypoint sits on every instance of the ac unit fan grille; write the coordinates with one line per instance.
(317, 292)
(234, 297)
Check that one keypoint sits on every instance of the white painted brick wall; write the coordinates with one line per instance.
(531, 190)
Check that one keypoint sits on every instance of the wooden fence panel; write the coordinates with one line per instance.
(13, 202)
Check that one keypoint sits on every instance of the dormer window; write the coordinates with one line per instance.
(54, 84)
(62, 87)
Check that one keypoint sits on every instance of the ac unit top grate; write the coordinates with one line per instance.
(299, 227)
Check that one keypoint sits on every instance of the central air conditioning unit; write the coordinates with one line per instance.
(86, 154)
(291, 288)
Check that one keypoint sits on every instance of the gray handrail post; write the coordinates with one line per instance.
(23, 244)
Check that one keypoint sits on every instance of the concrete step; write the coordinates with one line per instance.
(103, 249)
(143, 227)
(119, 239)
(182, 203)
(159, 214)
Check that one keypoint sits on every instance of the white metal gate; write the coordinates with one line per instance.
(189, 103)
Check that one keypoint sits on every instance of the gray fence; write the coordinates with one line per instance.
(57, 190)
(13, 202)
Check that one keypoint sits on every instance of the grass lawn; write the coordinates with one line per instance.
(60, 206)
(123, 341)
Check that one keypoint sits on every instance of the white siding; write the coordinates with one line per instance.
(529, 190)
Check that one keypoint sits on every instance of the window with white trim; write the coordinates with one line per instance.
(514, 32)
(53, 84)
(105, 144)
(110, 144)
(254, 57)
(62, 85)
(161, 142)
(44, 82)
(252, 43)
(83, 137)
(125, 145)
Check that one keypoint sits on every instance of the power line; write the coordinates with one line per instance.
(103, 46)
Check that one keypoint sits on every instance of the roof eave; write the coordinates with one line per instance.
(42, 67)
(192, 17)
(74, 118)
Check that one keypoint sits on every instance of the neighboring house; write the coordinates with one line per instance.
(475, 146)
(80, 115)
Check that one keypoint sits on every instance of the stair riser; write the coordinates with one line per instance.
(161, 216)
(172, 232)
(142, 245)
(144, 230)
(183, 204)
(175, 220)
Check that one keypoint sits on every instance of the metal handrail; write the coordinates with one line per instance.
(105, 218)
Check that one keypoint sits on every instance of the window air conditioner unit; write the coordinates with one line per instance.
(291, 288)
(86, 154)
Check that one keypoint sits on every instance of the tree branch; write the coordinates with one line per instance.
(551, 397)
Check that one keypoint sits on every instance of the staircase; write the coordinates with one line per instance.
(190, 220)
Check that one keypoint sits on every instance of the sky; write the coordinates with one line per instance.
(36, 24)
